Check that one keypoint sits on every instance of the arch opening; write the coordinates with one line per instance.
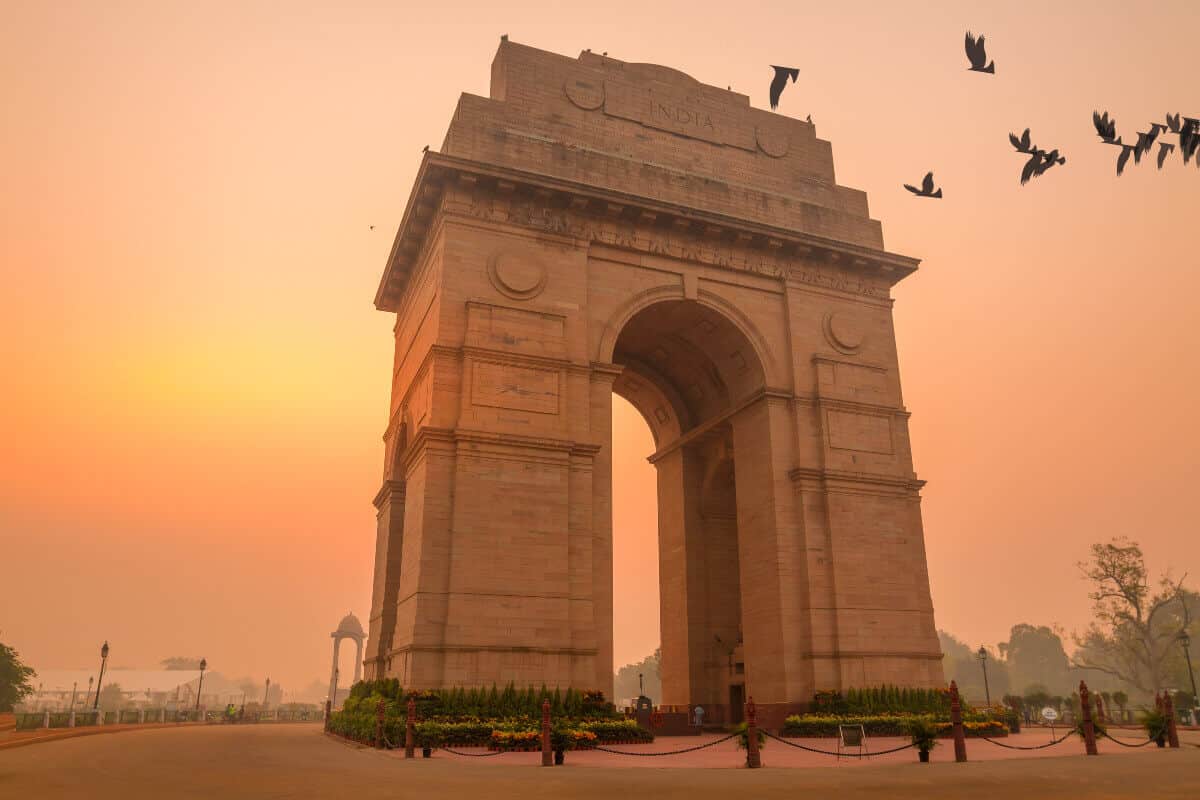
(688, 370)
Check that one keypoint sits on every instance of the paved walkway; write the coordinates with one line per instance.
(298, 761)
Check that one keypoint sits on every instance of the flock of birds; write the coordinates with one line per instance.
(1040, 161)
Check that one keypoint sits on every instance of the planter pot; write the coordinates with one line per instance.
(558, 758)
(1161, 742)
(923, 755)
(426, 752)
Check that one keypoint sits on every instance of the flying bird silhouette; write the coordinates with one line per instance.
(1123, 158)
(926, 189)
(977, 55)
(1022, 142)
(1106, 128)
(1031, 166)
(781, 78)
(1048, 161)
(1164, 149)
(372, 227)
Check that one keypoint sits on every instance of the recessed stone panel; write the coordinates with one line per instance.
(866, 433)
(514, 387)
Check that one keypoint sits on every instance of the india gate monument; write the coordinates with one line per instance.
(595, 227)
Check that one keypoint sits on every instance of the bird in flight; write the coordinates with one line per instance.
(1106, 128)
(1048, 161)
(780, 81)
(977, 55)
(1021, 142)
(1164, 150)
(1123, 159)
(372, 227)
(926, 189)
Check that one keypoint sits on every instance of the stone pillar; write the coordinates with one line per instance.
(547, 754)
(960, 734)
(358, 660)
(333, 672)
(1089, 728)
(753, 760)
(409, 729)
(328, 711)
(1169, 711)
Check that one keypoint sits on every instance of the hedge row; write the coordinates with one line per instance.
(360, 726)
(826, 726)
(883, 699)
(479, 702)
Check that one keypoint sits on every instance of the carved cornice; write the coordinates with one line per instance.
(827, 478)
(385, 493)
(571, 209)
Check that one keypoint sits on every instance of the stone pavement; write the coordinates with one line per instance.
(301, 762)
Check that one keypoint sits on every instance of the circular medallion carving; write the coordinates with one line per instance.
(772, 140)
(843, 332)
(586, 94)
(517, 276)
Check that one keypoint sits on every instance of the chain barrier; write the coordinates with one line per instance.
(1050, 743)
(847, 754)
(1106, 735)
(485, 755)
(666, 753)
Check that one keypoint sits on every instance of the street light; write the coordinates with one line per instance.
(100, 682)
(983, 657)
(203, 666)
(1185, 642)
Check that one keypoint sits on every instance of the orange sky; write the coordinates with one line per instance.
(197, 380)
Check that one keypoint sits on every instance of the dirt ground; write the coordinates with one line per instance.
(299, 761)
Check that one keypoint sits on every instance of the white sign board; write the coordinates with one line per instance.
(1049, 714)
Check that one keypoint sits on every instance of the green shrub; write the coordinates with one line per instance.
(1155, 723)
(882, 699)
(826, 726)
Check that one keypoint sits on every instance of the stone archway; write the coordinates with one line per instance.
(594, 227)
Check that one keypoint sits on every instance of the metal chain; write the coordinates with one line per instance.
(834, 753)
(1123, 744)
(1050, 743)
(666, 753)
(480, 755)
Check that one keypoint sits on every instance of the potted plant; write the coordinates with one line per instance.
(1155, 723)
(743, 739)
(923, 731)
(429, 735)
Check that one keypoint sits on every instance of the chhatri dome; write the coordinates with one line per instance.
(350, 625)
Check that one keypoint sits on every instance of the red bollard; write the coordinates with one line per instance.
(753, 760)
(547, 753)
(379, 725)
(1089, 728)
(1169, 711)
(328, 711)
(1100, 710)
(960, 734)
(410, 730)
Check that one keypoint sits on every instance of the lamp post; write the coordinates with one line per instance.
(100, 681)
(983, 657)
(1185, 642)
(203, 666)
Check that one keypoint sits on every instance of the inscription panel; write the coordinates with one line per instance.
(514, 388)
(503, 328)
(864, 433)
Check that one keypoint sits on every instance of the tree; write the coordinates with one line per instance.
(180, 662)
(14, 678)
(625, 682)
(1035, 654)
(1134, 636)
(111, 697)
(961, 665)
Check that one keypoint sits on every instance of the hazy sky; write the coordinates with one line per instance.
(197, 381)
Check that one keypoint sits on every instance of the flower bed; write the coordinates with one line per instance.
(826, 726)
(494, 733)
